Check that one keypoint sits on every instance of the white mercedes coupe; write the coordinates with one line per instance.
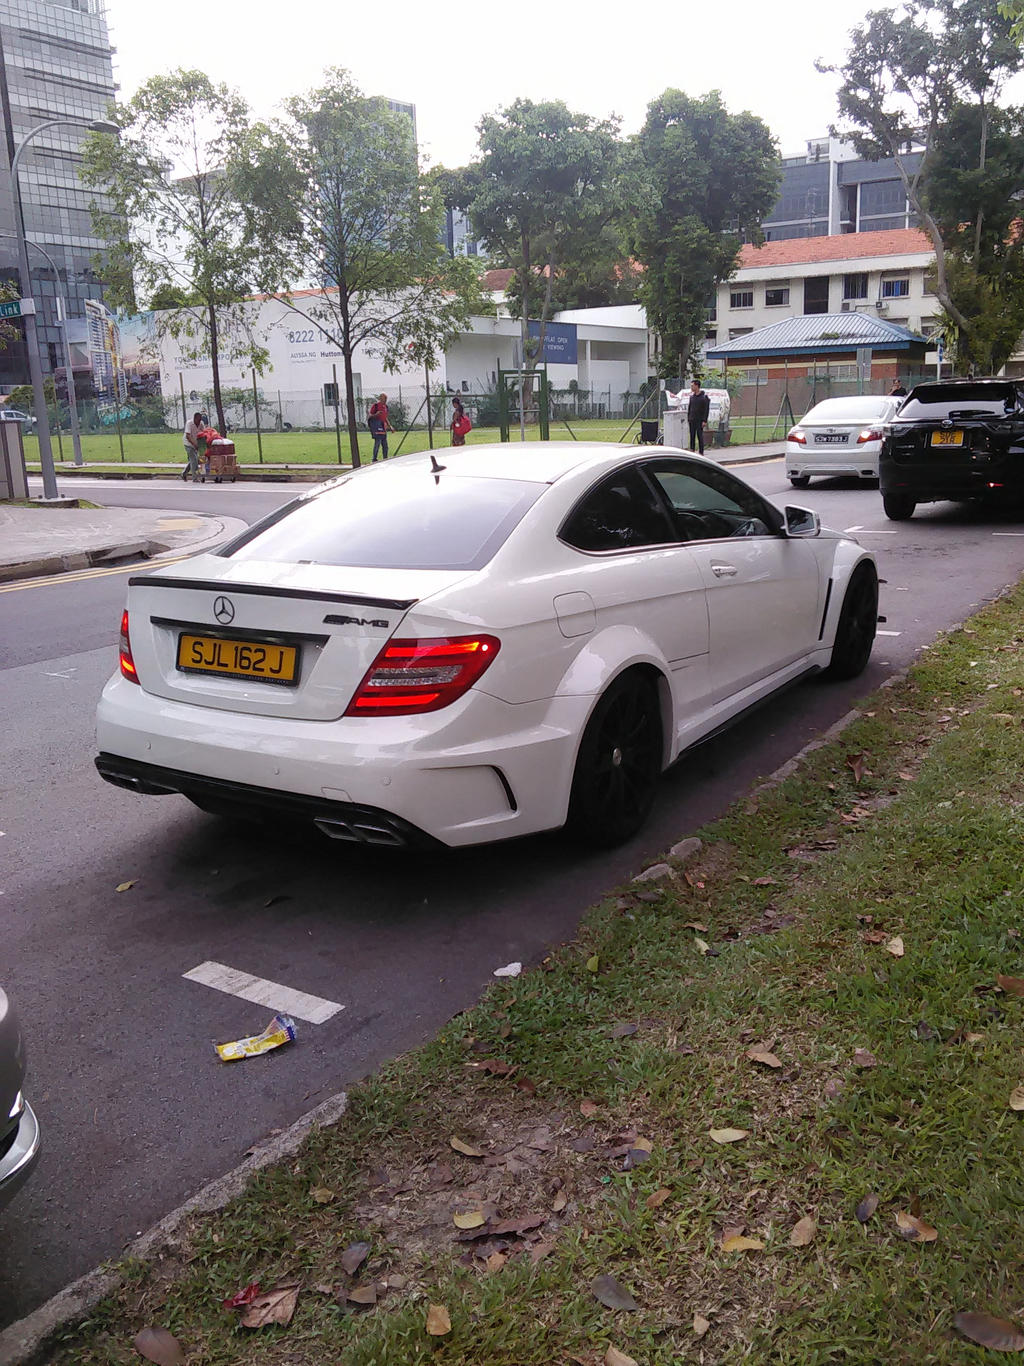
(477, 644)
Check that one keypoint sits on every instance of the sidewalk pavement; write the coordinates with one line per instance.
(36, 541)
(313, 474)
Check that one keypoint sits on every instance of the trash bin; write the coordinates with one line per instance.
(223, 462)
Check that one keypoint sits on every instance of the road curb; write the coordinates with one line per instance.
(117, 551)
(23, 1343)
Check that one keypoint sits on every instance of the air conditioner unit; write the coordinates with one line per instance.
(845, 306)
(882, 306)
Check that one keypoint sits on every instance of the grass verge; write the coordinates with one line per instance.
(850, 924)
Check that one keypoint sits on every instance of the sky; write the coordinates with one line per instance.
(458, 62)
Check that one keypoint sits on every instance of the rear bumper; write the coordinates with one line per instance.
(996, 481)
(19, 1159)
(478, 771)
(856, 462)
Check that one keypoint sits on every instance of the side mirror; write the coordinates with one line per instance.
(802, 522)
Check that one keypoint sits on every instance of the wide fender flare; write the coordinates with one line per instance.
(609, 654)
(849, 556)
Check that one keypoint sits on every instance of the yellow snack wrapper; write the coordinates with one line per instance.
(281, 1029)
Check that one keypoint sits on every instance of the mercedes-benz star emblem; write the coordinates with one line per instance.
(223, 610)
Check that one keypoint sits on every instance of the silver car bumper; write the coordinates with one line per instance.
(20, 1157)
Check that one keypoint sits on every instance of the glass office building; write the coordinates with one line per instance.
(829, 190)
(58, 59)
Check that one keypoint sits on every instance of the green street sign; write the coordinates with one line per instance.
(17, 308)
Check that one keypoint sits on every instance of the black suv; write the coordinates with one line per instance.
(958, 439)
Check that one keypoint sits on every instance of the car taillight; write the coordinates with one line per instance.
(870, 434)
(422, 675)
(125, 653)
(797, 434)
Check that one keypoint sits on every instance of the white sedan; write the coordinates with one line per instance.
(839, 436)
(504, 640)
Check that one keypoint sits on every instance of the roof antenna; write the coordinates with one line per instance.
(435, 468)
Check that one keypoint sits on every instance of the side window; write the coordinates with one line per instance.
(709, 504)
(620, 513)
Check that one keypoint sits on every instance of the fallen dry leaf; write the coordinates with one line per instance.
(495, 1261)
(765, 1059)
(540, 1250)
(907, 777)
(741, 1243)
(244, 1296)
(855, 762)
(613, 1357)
(611, 1294)
(466, 1149)
(862, 1058)
(998, 1334)
(969, 1037)
(559, 1202)
(803, 1232)
(593, 963)
(125, 886)
(701, 945)
(159, 1346)
(365, 1295)
(874, 936)
(473, 1218)
(915, 1230)
(700, 1325)
(273, 1306)
(1014, 985)
(727, 1135)
(497, 1067)
(696, 925)
(1016, 1101)
(622, 1031)
(438, 1321)
(657, 1198)
(354, 1256)
(588, 1109)
(866, 1208)
(322, 1195)
(895, 947)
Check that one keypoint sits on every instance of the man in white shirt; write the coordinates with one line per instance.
(191, 439)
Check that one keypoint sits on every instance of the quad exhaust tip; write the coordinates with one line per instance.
(359, 832)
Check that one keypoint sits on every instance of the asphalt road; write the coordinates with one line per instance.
(136, 1111)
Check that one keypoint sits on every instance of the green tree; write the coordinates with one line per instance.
(708, 178)
(548, 183)
(366, 228)
(921, 86)
(178, 228)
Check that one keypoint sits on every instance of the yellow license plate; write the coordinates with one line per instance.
(238, 658)
(947, 438)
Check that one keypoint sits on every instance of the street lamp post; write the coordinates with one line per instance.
(63, 314)
(35, 368)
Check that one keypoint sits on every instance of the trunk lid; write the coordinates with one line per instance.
(265, 637)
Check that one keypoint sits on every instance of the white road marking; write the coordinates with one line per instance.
(1008, 533)
(877, 531)
(888, 633)
(278, 998)
(848, 529)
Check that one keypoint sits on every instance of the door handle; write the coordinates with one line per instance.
(723, 571)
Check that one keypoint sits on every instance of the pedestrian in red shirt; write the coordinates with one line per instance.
(380, 424)
(460, 423)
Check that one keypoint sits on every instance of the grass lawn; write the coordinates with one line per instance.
(771, 1095)
(321, 448)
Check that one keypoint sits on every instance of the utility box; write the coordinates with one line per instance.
(13, 475)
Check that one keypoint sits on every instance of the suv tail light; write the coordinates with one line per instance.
(412, 676)
(797, 434)
(125, 653)
(870, 434)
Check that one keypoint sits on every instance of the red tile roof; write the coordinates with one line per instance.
(495, 280)
(847, 246)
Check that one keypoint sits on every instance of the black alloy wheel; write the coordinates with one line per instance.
(618, 765)
(800, 481)
(858, 621)
(899, 507)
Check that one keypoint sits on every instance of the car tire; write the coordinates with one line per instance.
(618, 764)
(800, 481)
(899, 507)
(858, 620)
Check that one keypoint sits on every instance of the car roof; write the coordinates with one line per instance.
(536, 462)
(847, 400)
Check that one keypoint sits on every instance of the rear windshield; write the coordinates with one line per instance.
(867, 408)
(938, 401)
(412, 521)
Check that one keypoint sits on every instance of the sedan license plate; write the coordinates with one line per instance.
(954, 438)
(257, 659)
(830, 439)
